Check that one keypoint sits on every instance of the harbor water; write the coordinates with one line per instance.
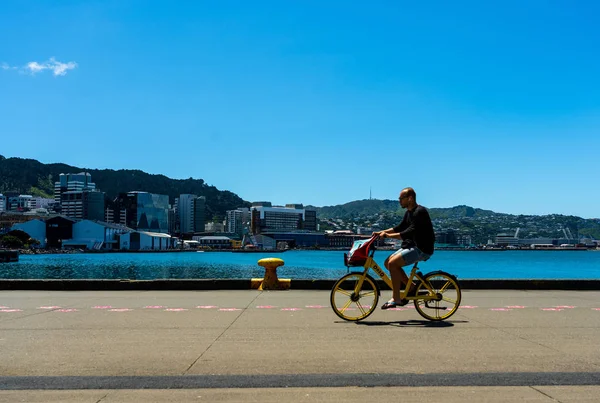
(298, 265)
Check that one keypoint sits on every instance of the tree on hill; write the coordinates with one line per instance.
(28, 176)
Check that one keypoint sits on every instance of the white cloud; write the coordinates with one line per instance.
(57, 68)
(6, 66)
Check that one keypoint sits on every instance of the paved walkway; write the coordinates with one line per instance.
(246, 345)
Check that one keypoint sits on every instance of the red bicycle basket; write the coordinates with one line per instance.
(359, 253)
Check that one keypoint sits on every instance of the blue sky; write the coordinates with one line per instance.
(491, 104)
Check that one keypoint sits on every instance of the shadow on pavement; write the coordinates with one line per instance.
(412, 323)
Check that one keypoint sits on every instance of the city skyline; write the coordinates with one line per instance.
(260, 200)
(472, 104)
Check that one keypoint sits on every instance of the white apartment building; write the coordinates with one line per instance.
(237, 219)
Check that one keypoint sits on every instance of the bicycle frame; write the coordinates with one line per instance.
(372, 264)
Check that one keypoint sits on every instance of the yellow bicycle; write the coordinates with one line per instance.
(355, 295)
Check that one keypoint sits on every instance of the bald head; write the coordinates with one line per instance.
(408, 192)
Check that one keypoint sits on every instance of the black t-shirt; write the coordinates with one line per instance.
(416, 226)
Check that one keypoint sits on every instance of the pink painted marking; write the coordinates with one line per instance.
(11, 310)
(120, 310)
(515, 307)
(468, 306)
(175, 309)
(229, 309)
(3, 307)
(102, 307)
(565, 306)
(207, 306)
(66, 310)
(315, 306)
(552, 309)
(266, 306)
(596, 309)
(499, 309)
(153, 307)
(49, 307)
(291, 309)
(397, 309)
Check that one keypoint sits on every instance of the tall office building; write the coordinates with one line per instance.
(143, 211)
(2, 203)
(199, 214)
(83, 204)
(190, 209)
(72, 182)
(78, 197)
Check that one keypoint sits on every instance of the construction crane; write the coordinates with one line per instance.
(517, 232)
(570, 235)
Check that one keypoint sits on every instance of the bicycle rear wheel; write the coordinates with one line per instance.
(447, 289)
(351, 303)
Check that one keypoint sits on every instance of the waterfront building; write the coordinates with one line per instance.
(143, 211)
(345, 239)
(506, 240)
(446, 237)
(2, 203)
(58, 228)
(146, 240)
(213, 242)
(265, 217)
(95, 235)
(35, 228)
(265, 242)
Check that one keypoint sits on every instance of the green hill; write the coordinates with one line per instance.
(28, 176)
(480, 224)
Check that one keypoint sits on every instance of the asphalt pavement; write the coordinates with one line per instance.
(249, 345)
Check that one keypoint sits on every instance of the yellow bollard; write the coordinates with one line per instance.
(270, 282)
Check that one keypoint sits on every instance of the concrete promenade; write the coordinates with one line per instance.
(273, 346)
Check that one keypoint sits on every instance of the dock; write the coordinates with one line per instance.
(7, 256)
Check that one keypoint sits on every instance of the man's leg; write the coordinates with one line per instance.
(394, 264)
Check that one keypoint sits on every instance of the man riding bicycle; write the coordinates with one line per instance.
(416, 233)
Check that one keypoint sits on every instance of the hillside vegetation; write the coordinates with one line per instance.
(28, 176)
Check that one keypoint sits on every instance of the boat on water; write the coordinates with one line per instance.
(7, 256)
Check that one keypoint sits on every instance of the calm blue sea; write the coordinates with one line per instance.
(298, 265)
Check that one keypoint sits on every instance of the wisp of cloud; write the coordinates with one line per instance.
(57, 68)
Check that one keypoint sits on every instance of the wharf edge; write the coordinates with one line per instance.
(295, 284)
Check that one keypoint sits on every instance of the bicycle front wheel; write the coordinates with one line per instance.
(448, 294)
(352, 303)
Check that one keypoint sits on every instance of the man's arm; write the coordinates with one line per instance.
(395, 235)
